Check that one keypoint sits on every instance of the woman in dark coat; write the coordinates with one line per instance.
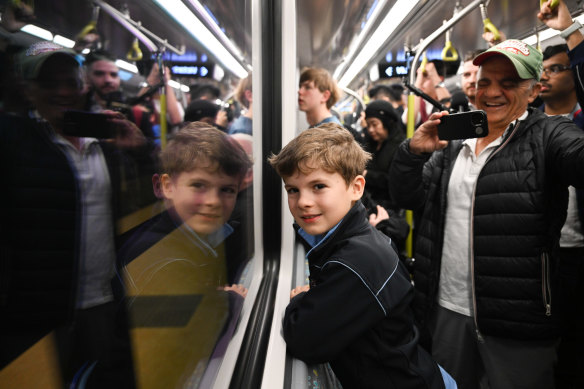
(384, 137)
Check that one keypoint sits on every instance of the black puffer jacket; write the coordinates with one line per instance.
(518, 209)
(357, 313)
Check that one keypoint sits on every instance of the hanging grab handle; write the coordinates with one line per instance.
(489, 26)
(91, 27)
(424, 62)
(449, 53)
(553, 3)
(134, 54)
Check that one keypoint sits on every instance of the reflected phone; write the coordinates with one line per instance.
(88, 125)
(463, 125)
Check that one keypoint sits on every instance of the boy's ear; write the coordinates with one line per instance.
(326, 95)
(358, 186)
(167, 186)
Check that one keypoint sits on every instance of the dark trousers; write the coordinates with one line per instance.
(493, 363)
(570, 370)
(95, 349)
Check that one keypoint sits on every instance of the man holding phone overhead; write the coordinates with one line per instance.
(490, 211)
(60, 197)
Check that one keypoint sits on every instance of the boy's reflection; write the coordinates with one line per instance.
(176, 265)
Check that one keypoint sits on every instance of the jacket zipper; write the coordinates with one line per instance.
(472, 267)
(545, 283)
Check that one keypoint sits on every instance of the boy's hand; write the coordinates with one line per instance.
(237, 288)
(299, 289)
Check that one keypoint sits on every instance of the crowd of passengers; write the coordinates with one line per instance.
(490, 298)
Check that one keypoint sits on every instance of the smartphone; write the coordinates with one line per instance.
(88, 125)
(463, 125)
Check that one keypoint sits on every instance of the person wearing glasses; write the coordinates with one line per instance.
(563, 94)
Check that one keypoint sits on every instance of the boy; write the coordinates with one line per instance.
(317, 93)
(177, 264)
(356, 312)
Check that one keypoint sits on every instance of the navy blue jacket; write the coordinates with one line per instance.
(357, 315)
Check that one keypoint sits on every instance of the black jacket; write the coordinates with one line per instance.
(519, 208)
(357, 313)
(39, 227)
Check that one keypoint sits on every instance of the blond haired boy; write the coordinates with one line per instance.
(317, 93)
(355, 314)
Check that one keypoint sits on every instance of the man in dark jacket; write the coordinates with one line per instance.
(59, 201)
(491, 210)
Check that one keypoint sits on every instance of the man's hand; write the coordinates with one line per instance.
(425, 139)
(381, 215)
(128, 135)
(558, 18)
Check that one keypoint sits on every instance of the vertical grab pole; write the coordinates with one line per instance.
(163, 125)
(410, 133)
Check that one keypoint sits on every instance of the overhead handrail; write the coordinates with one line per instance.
(354, 95)
(423, 45)
(489, 26)
(135, 28)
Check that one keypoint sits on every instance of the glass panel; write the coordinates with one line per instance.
(125, 256)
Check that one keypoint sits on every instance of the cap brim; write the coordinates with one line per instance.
(521, 70)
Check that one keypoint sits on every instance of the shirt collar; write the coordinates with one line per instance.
(315, 240)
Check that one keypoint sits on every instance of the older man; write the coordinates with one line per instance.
(60, 198)
(491, 210)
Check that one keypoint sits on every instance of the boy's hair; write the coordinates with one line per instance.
(200, 145)
(323, 81)
(244, 85)
(329, 147)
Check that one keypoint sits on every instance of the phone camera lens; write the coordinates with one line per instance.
(476, 118)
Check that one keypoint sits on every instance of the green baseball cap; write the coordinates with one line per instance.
(30, 61)
(526, 59)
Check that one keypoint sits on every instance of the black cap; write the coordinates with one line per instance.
(383, 111)
(199, 109)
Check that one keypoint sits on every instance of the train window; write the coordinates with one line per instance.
(128, 248)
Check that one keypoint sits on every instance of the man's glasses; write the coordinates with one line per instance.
(554, 70)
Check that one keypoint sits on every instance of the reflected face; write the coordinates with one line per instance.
(559, 85)
(319, 200)
(501, 93)
(376, 130)
(469, 79)
(310, 97)
(57, 89)
(103, 77)
(202, 198)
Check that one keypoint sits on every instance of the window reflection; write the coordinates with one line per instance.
(109, 274)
